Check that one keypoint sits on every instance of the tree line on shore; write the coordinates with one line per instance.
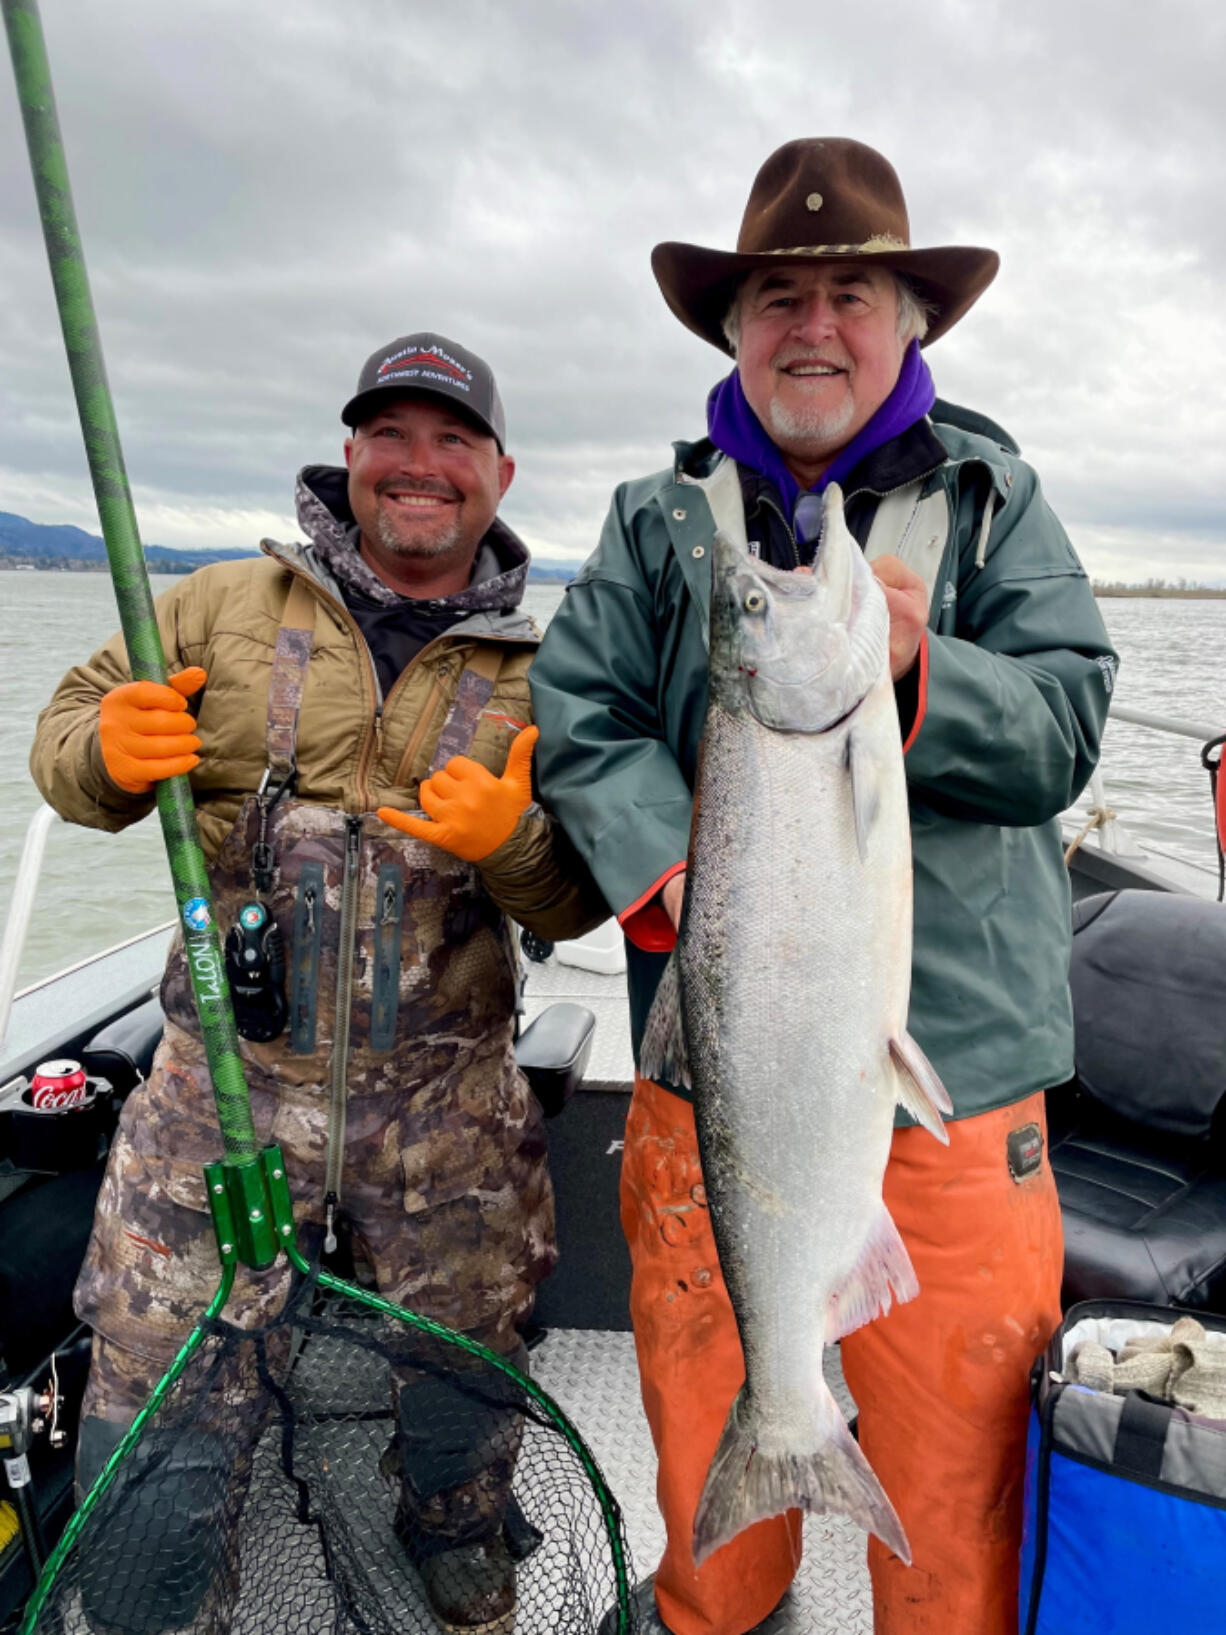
(1157, 587)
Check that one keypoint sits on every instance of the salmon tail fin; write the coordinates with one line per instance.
(919, 1088)
(745, 1485)
(662, 1054)
(882, 1274)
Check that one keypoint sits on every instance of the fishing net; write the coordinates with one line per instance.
(341, 1470)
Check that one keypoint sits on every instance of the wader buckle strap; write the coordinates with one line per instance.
(295, 639)
(473, 692)
(286, 684)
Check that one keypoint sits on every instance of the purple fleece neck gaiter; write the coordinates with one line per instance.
(735, 429)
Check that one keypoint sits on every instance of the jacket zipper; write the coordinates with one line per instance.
(419, 731)
(770, 505)
(340, 1041)
(847, 499)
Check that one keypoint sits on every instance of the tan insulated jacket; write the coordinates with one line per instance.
(356, 751)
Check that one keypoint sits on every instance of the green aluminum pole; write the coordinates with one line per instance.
(202, 940)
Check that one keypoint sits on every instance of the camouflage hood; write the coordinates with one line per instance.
(500, 570)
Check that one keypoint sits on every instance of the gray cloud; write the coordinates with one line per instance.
(267, 193)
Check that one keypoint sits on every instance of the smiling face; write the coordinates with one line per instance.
(424, 487)
(819, 352)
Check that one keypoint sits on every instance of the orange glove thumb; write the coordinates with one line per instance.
(146, 733)
(473, 812)
(517, 774)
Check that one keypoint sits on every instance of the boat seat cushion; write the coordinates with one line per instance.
(552, 1053)
(1138, 1138)
(122, 1051)
(1148, 977)
(1144, 1225)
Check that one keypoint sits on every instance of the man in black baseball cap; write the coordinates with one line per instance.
(379, 671)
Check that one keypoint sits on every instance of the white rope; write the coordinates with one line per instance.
(1098, 816)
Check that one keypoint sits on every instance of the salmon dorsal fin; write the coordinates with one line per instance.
(882, 1274)
(919, 1088)
(662, 1054)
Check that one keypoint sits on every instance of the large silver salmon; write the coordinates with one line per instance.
(785, 1008)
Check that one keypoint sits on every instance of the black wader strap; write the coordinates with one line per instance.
(385, 985)
(473, 693)
(304, 967)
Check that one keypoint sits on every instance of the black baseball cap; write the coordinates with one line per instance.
(436, 366)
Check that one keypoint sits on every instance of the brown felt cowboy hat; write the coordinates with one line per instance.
(828, 199)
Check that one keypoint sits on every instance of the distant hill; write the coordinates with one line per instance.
(61, 547)
(553, 572)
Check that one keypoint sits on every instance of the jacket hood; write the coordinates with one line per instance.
(492, 597)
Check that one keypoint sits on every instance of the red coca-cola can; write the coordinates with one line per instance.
(57, 1085)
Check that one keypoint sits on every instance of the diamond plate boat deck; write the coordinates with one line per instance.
(594, 1377)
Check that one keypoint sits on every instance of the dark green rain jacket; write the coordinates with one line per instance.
(1014, 683)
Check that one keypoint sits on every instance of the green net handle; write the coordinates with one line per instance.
(129, 574)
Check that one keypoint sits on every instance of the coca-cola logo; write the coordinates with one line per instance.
(50, 1098)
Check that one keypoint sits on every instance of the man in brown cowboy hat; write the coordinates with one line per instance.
(1002, 671)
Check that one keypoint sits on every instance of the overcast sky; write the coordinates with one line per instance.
(269, 192)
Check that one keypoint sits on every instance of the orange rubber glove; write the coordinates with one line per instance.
(146, 732)
(473, 811)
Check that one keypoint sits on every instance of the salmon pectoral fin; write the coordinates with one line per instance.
(865, 787)
(662, 1054)
(919, 1089)
(745, 1485)
(882, 1274)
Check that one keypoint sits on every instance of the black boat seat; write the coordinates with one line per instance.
(1138, 1138)
(123, 1050)
(44, 1229)
(552, 1053)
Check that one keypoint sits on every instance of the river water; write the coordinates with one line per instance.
(97, 889)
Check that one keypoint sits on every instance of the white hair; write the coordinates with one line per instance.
(915, 313)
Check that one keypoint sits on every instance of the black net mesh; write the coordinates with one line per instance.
(341, 1470)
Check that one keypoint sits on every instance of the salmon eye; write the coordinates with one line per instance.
(754, 601)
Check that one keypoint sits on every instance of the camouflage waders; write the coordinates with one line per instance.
(393, 1093)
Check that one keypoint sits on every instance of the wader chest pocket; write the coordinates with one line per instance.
(304, 977)
(389, 912)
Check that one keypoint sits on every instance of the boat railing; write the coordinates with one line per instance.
(1109, 834)
(1166, 723)
(21, 907)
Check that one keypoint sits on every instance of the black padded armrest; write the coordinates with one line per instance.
(552, 1053)
(123, 1050)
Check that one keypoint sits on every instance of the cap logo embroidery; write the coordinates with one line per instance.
(434, 358)
(814, 202)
